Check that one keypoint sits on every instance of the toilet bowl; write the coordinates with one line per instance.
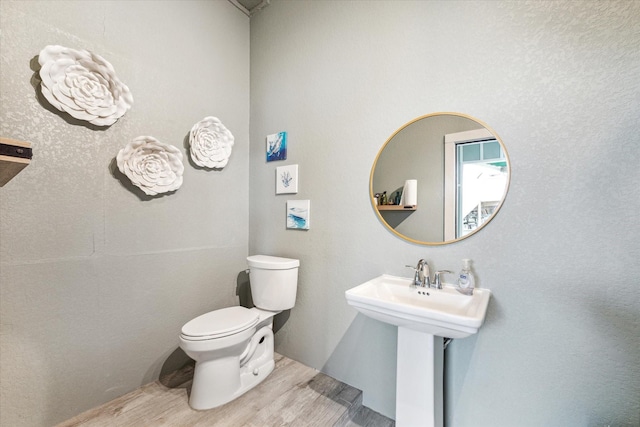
(233, 346)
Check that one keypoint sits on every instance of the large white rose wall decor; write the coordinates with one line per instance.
(152, 166)
(210, 143)
(83, 84)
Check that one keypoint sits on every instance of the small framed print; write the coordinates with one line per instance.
(298, 214)
(277, 146)
(287, 179)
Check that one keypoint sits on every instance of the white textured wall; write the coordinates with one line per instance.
(96, 282)
(559, 81)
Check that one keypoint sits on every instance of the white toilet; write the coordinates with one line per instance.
(233, 346)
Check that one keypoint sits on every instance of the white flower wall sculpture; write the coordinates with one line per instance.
(152, 166)
(83, 84)
(210, 143)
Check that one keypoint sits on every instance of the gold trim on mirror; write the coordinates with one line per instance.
(416, 152)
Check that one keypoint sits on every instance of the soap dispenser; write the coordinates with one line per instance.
(466, 281)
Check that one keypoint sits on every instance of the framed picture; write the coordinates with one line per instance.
(277, 147)
(298, 214)
(287, 179)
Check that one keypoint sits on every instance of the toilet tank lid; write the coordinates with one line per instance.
(272, 262)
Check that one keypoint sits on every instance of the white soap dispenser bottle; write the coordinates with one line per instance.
(466, 280)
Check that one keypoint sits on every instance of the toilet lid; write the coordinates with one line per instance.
(221, 323)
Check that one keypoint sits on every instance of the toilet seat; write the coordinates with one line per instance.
(220, 323)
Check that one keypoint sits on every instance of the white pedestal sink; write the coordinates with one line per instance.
(423, 316)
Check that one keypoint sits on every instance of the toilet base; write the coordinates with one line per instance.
(221, 380)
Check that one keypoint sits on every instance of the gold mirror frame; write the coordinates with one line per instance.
(471, 233)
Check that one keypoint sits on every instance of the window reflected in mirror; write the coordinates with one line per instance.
(481, 179)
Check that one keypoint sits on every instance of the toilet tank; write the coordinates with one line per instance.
(274, 281)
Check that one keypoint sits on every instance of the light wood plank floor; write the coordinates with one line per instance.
(293, 395)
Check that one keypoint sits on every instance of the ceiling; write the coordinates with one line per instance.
(249, 7)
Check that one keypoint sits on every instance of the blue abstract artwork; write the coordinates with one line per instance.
(277, 146)
(298, 214)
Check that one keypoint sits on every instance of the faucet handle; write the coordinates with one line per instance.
(416, 277)
(437, 282)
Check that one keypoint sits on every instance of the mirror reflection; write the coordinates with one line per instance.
(439, 178)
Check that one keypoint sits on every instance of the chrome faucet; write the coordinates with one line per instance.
(422, 277)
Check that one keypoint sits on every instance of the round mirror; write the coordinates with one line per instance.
(439, 178)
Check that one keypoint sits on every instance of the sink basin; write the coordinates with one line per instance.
(441, 312)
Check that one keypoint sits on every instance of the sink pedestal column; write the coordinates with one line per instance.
(419, 380)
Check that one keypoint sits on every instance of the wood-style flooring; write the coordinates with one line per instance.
(293, 395)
